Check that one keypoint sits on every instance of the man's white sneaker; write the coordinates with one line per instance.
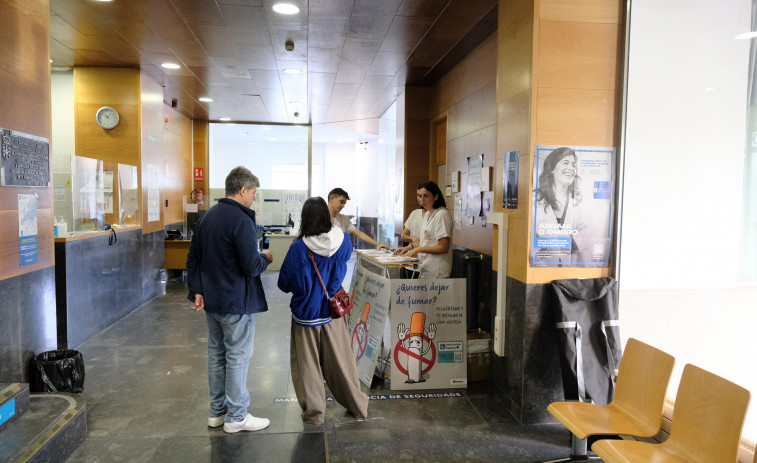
(215, 421)
(250, 423)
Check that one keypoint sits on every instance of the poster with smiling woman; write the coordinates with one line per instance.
(572, 207)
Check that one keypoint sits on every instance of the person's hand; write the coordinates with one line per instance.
(415, 241)
(382, 246)
(400, 250)
(410, 252)
(268, 256)
(199, 303)
(402, 332)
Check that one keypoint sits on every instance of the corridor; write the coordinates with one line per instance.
(147, 401)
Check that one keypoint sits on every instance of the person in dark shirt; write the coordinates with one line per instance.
(223, 276)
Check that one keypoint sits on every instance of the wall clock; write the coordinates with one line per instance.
(107, 117)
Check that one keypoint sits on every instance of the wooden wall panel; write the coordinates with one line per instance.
(471, 74)
(118, 88)
(514, 48)
(601, 11)
(439, 138)
(467, 95)
(576, 55)
(416, 145)
(574, 96)
(25, 39)
(575, 117)
(515, 55)
(25, 87)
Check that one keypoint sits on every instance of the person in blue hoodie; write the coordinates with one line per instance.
(223, 276)
(319, 345)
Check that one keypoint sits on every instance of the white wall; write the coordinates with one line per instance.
(683, 186)
(62, 142)
(356, 170)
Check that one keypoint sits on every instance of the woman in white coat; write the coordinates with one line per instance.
(435, 247)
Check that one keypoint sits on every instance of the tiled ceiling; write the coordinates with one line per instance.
(355, 55)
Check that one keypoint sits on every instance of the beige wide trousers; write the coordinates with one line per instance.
(323, 352)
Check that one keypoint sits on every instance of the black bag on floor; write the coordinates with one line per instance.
(57, 371)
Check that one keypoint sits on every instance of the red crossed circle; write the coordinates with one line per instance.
(361, 347)
(430, 363)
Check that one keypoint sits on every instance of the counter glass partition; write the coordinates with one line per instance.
(88, 183)
(128, 194)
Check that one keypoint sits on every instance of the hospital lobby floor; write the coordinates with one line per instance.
(146, 395)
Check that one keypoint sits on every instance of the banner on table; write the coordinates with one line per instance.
(370, 294)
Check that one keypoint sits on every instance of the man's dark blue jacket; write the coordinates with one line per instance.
(224, 263)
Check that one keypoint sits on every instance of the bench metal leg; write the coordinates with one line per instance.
(578, 452)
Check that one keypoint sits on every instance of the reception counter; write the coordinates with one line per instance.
(176, 254)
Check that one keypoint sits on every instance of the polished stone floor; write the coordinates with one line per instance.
(147, 397)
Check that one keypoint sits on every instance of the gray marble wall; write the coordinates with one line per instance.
(27, 321)
(528, 377)
(529, 374)
(98, 283)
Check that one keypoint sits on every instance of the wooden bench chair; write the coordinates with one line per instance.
(708, 417)
(636, 409)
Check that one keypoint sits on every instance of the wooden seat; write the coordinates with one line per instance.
(636, 409)
(708, 418)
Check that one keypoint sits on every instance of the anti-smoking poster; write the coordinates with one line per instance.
(370, 295)
(572, 214)
(428, 334)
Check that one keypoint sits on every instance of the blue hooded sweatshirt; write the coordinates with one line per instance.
(331, 251)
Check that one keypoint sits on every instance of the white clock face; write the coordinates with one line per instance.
(107, 117)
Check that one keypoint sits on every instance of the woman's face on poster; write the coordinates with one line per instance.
(565, 170)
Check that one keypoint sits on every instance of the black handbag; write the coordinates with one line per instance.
(340, 303)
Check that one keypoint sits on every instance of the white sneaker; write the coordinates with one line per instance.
(214, 422)
(250, 423)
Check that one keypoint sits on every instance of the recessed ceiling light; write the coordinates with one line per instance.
(224, 118)
(205, 99)
(285, 8)
(292, 71)
(746, 35)
(51, 61)
(170, 65)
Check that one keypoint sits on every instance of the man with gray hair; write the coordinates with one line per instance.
(223, 276)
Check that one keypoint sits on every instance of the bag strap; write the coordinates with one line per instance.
(325, 291)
